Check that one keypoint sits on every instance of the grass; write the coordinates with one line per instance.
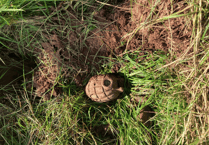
(177, 95)
(15, 11)
(75, 115)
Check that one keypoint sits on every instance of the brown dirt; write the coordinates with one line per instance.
(146, 113)
(115, 35)
(171, 34)
(48, 71)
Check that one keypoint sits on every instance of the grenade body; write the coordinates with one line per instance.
(103, 88)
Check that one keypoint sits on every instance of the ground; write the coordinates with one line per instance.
(136, 39)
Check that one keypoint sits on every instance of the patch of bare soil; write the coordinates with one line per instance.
(172, 34)
(48, 71)
(120, 29)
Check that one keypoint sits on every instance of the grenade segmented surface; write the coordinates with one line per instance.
(103, 88)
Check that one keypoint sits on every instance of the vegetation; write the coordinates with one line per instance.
(175, 87)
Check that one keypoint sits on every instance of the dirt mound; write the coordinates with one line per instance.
(130, 30)
(57, 61)
(48, 71)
